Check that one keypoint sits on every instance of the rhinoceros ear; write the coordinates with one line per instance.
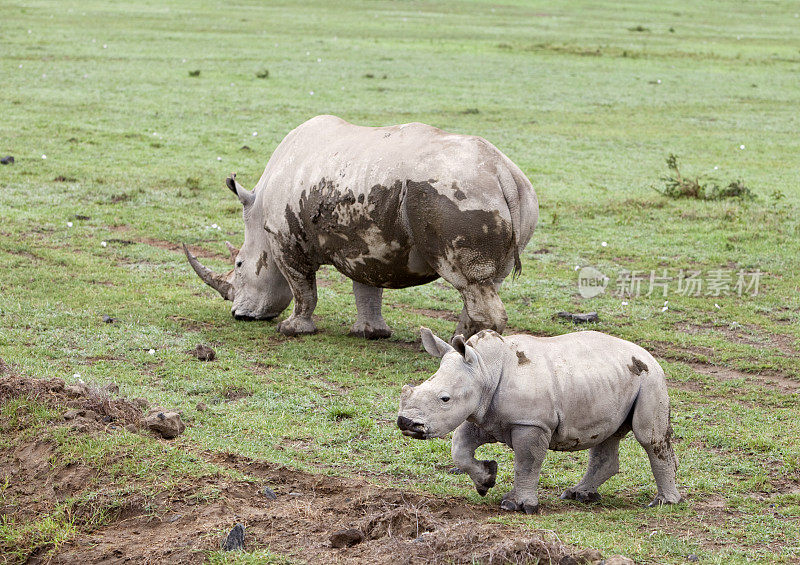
(244, 196)
(466, 351)
(434, 345)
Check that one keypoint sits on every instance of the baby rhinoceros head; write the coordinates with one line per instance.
(443, 402)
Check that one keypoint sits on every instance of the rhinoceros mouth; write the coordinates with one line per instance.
(410, 428)
(415, 435)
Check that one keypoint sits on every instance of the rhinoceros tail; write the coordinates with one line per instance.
(508, 184)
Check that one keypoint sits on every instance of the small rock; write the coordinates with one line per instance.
(7, 160)
(111, 388)
(235, 539)
(168, 424)
(201, 407)
(579, 318)
(108, 319)
(269, 493)
(72, 414)
(203, 352)
(588, 556)
(619, 560)
(346, 538)
(77, 389)
(692, 557)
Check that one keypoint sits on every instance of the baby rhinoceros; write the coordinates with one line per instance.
(583, 390)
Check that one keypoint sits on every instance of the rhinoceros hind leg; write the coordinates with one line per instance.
(304, 292)
(370, 323)
(603, 464)
(483, 310)
(653, 431)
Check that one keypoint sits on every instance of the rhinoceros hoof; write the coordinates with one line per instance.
(371, 330)
(661, 500)
(297, 326)
(490, 468)
(580, 496)
(510, 505)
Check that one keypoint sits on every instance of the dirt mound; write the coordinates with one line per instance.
(178, 519)
(86, 407)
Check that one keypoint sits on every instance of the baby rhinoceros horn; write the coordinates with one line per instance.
(216, 281)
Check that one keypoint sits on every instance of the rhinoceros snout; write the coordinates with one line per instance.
(411, 428)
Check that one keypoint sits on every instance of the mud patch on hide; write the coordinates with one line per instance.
(637, 367)
(437, 227)
(522, 358)
(362, 237)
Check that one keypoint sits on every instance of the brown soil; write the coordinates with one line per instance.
(748, 335)
(182, 522)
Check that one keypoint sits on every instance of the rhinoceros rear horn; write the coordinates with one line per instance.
(245, 197)
(212, 279)
(232, 250)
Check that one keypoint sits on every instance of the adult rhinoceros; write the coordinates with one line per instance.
(389, 207)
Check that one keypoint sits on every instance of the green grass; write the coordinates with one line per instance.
(568, 91)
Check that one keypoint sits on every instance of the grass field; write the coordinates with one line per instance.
(125, 118)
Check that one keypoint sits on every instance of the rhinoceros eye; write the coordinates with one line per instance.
(444, 398)
(238, 263)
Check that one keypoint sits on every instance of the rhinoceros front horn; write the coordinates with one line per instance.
(212, 279)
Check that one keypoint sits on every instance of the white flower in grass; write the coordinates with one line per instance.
(103, 244)
(604, 244)
(624, 302)
(44, 156)
(717, 305)
(69, 224)
(741, 147)
(152, 352)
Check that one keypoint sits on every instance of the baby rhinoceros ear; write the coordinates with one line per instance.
(467, 352)
(434, 345)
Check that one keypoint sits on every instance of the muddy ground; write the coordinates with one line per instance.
(293, 513)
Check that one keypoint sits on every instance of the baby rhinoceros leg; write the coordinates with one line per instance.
(466, 439)
(530, 445)
(653, 431)
(603, 464)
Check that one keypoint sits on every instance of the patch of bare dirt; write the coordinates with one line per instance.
(393, 526)
(749, 334)
(173, 246)
(770, 380)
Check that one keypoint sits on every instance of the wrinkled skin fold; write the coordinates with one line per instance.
(584, 390)
(389, 207)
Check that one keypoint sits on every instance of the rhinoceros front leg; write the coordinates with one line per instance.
(466, 439)
(603, 464)
(530, 448)
(370, 323)
(303, 284)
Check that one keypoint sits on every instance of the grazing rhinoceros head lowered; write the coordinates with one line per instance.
(255, 285)
(443, 402)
